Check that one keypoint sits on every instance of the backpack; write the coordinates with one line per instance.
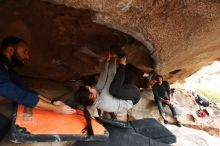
(202, 101)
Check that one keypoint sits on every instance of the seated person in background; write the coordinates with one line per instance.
(115, 90)
(161, 91)
(14, 52)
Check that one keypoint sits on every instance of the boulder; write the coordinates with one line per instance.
(175, 38)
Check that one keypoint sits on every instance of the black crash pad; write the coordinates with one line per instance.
(122, 137)
(145, 132)
(153, 129)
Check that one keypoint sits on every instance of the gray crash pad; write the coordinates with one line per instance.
(145, 132)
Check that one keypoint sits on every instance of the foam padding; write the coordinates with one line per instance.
(122, 137)
(31, 125)
(153, 129)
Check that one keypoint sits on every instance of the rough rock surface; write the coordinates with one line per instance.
(195, 132)
(66, 36)
(192, 137)
(64, 42)
(186, 108)
(182, 35)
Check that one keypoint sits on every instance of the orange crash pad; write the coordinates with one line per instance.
(44, 126)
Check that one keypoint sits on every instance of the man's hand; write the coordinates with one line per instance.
(106, 57)
(171, 103)
(58, 103)
(63, 109)
(58, 107)
(168, 102)
(122, 60)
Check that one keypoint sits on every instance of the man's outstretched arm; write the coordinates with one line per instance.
(13, 92)
(58, 107)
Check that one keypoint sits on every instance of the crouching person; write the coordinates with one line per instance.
(161, 91)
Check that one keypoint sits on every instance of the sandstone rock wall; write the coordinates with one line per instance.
(182, 35)
(64, 42)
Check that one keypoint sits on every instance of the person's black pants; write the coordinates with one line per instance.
(4, 126)
(123, 88)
